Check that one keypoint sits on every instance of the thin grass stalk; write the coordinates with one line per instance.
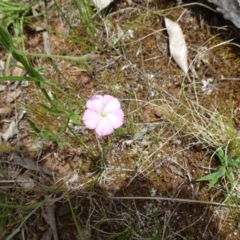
(85, 14)
(74, 217)
(21, 207)
(23, 222)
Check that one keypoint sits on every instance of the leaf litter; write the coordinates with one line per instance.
(30, 164)
(12, 96)
(13, 127)
(5, 110)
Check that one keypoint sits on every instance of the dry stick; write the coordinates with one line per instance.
(50, 217)
(177, 200)
(49, 214)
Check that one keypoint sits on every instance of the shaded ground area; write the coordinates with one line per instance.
(172, 127)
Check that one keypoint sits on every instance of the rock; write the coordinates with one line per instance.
(230, 9)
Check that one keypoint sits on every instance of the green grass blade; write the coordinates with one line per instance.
(33, 126)
(74, 217)
(6, 40)
(23, 222)
(85, 14)
(230, 177)
(50, 110)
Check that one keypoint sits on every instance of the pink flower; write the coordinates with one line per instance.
(103, 114)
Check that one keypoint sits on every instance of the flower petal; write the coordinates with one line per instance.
(104, 127)
(112, 105)
(116, 118)
(91, 118)
(95, 103)
(106, 99)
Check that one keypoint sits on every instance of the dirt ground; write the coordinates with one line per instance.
(162, 163)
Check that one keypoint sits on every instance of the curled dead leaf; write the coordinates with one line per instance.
(13, 127)
(11, 131)
(11, 96)
(177, 44)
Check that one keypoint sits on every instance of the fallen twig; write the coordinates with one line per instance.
(177, 200)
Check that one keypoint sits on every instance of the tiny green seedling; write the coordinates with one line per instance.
(225, 170)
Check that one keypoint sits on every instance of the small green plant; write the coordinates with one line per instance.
(13, 15)
(10, 12)
(85, 15)
(53, 106)
(228, 164)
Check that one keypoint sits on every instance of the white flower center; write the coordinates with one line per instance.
(103, 114)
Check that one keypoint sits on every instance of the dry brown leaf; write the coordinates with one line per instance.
(101, 4)
(34, 41)
(11, 96)
(177, 44)
(29, 164)
(5, 110)
(60, 29)
(18, 70)
(11, 131)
